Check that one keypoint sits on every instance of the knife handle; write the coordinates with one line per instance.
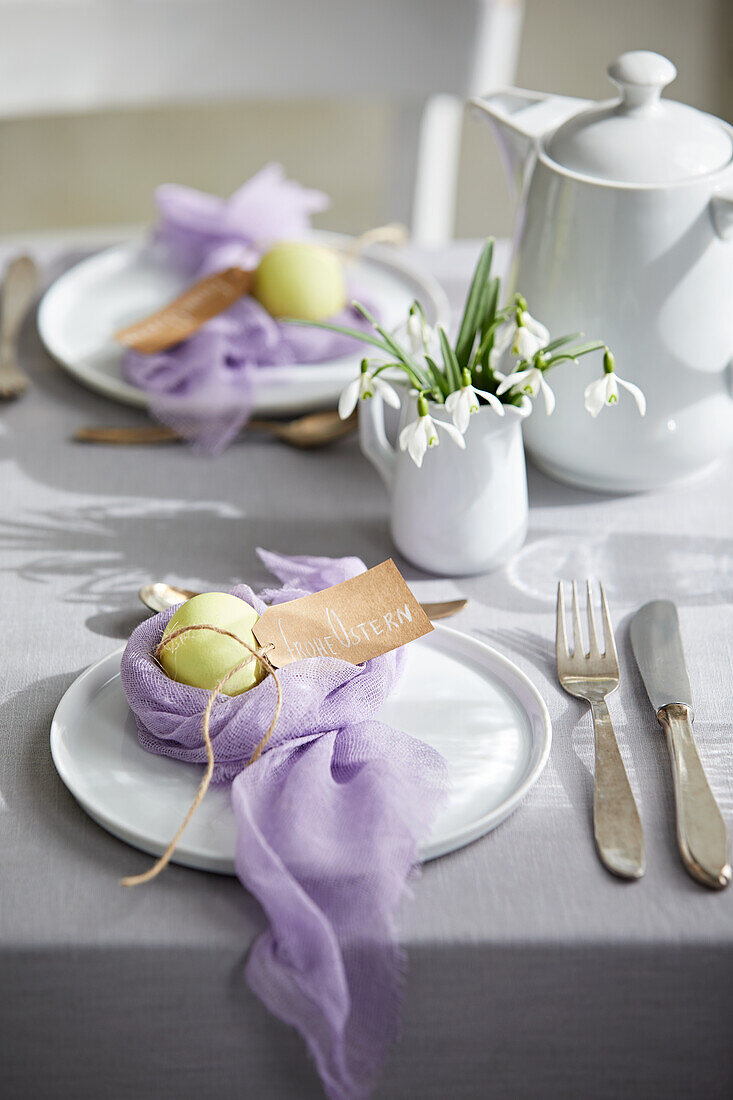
(701, 833)
(616, 822)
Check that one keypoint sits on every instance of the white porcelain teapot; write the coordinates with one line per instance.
(625, 230)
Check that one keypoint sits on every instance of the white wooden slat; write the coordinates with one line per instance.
(69, 55)
(426, 56)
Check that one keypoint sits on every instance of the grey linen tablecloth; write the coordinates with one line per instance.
(532, 972)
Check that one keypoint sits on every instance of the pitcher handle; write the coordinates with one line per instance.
(373, 439)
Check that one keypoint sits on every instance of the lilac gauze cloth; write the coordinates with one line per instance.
(329, 820)
(205, 387)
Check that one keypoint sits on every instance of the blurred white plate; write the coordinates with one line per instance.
(462, 697)
(87, 304)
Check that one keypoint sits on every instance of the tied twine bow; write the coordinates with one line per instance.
(259, 655)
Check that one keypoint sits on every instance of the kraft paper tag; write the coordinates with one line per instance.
(187, 313)
(356, 620)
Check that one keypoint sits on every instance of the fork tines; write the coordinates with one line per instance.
(609, 645)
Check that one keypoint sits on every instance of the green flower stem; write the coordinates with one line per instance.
(419, 380)
(389, 340)
(466, 360)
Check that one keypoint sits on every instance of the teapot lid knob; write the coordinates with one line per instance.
(641, 75)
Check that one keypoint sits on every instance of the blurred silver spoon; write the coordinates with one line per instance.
(160, 596)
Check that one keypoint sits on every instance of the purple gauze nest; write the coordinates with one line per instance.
(328, 820)
(206, 387)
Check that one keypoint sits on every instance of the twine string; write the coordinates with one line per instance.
(259, 655)
(394, 233)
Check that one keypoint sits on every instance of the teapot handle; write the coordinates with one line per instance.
(722, 211)
(373, 439)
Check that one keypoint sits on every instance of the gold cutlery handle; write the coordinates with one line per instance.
(127, 436)
(701, 832)
(616, 822)
(19, 288)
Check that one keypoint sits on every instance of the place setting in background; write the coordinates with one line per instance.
(242, 363)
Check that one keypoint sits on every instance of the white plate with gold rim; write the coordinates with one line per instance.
(466, 700)
(84, 307)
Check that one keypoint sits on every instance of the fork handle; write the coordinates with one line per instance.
(616, 821)
(701, 833)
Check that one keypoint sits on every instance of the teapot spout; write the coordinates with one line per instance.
(520, 118)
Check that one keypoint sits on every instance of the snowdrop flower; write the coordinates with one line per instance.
(462, 403)
(520, 332)
(422, 433)
(414, 334)
(604, 391)
(364, 386)
(530, 381)
(422, 339)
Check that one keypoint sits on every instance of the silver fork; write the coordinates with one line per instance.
(18, 290)
(593, 676)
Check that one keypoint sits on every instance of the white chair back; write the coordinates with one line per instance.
(426, 56)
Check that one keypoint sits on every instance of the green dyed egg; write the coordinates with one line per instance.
(300, 280)
(201, 657)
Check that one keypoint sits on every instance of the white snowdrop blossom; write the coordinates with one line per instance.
(462, 403)
(532, 382)
(422, 433)
(506, 350)
(421, 338)
(604, 391)
(365, 385)
(520, 332)
(415, 334)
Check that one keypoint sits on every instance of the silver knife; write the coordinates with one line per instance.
(701, 834)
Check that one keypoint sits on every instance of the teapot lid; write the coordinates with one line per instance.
(641, 138)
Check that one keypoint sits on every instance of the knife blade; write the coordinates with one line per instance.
(657, 645)
(701, 832)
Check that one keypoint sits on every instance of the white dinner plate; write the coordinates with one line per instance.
(462, 697)
(85, 306)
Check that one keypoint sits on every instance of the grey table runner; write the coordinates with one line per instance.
(533, 973)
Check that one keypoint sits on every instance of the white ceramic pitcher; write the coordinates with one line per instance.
(625, 230)
(462, 512)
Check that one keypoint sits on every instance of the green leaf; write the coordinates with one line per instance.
(389, 340)
(452, 369)
(488, 313)
(393, 347)
(487, 343)
(355, 333)
(442, 383)
(471, 320)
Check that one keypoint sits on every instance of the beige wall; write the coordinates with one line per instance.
(101, 169)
